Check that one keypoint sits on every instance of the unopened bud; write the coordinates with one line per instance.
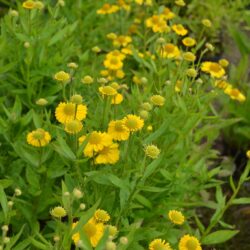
(18, 192)
(124, 240)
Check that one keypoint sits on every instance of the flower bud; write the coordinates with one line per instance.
(124, 240)
(18, 192)
(41, 102)
(26, 45)
(77, 193)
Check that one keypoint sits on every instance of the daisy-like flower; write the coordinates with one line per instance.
(29, 5)
(113, 63)
(152, 151)
(169, 50)
(224, 63)
(188, 242)
(122, 41)
(101, 216)
(62, 76)
(157, 100)
(157, 24)
(118, 130)
(107, 90)
(179, 29)
(176, 217)
(133, 122)
(188, 41)
(167, 14)
(234, 94)
(87, 80)
(213, 68)
(159, 244)
(108, 9)
(96, 142)
(73, 127)
(117, 99)
(38, 138)
(112, 230)
(58, 212)
(92, 229)
(116, 53)
(146, 2)
(108, 155)
(68, 111)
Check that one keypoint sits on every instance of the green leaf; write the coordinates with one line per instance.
(61, 147)
(14, 239)
(219, 237)
(3, 201)
(38, 244)
(239, 201)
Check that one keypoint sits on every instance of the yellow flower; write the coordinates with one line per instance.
(167, 14)
(108, 155)
(127, 50)
(157, 24)
(221, 84)
(176, 217)
(123, 5)
(149, 128)
(58, 212)
(73, 127)
(178, 86)
(96, 142)
(152, 151)
(159, 244)
(101, 216)
(118, 130)
(213, 68)
(113, 63)
(224, 62)
(206, 22)
(169, 50)
(133, 122)
(117, 99)
(188, 41)
(188, 242)
(116, 53)
(29, 5)
(146, 2)
(62, 76)
(107, 90)
(180, 3)
(87, 80)
(248, 154)
(122, 41)
(179, 29)
(69, 111)
(38, 138)
(234, 94)
(93, 230)
(157, 100)
(96, 49)
(108, 9)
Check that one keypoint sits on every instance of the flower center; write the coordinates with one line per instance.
(131, 123)
(169, 48)
(214, 67)
(69, 109)
(73, 125)
(191, 244)
(114, 61)
(38, 134)
(159, 246)
(90, 229)
(95, 138)
(119, 126)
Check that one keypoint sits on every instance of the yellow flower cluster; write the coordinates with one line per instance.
(95, 227)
